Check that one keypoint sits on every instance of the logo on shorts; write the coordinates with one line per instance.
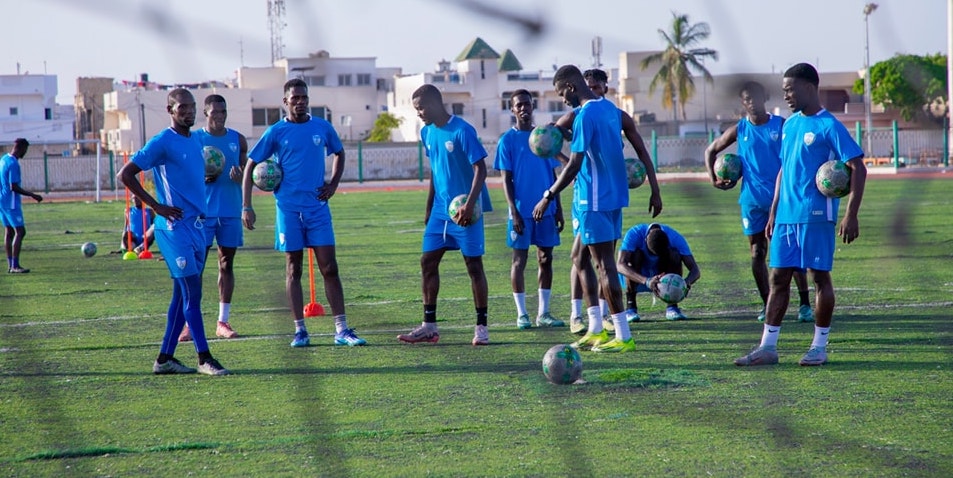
(281, 238)
(449, 146)
(808, 138)
(514, 236)
(317, 139)
(180, 262)
(233, 147)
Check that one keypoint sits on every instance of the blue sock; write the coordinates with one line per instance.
(175, 320)
(192, 308)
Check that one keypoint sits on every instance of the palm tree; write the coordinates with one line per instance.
(678, 61)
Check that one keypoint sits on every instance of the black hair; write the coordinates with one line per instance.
(214, 99)
(294, 83)
(751, 87)
(803, 71)
(176, 94)
(596, 74)
(566, 74)
(21, 142)
(428, 92)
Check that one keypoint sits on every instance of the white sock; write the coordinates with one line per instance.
(595, 320)
(544, 295)
(769, 338)
(820, 337)
(340, 323)
(223, 310)
(622, 331)
(603, 308)
(520, 299)
(299, 326)
(577, 307)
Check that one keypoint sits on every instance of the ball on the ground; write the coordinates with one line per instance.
(545, 141)
(89, 249)
(635, 171)
(562, 364)
(214, 161)
(672, 288)
(833, 179)
(458, 203)
(727, 167)
(267, 175)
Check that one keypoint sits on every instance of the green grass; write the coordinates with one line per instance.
(78, 337)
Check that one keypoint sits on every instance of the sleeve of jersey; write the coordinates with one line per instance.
(580, 133)
(845, 148)
(262, 149)
(472, 146)
(147, 157)
(334, 142)
(502, 161)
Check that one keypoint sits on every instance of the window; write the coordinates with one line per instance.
(457, 108)
(344, 80)
(382, 84)
(48, 113)
(363, 79)
(556, 106)
(484, 118)
(14, 111)
(265, 116)
(322, 112)
(314, 80)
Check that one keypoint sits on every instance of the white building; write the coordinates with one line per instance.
(28, 110)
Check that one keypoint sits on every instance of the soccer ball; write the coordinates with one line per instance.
(562, 364)
(728, 167)
(458, 202)
(545, 141)
(267, 175)
(672, 288)
(214, 161)
(833, 179)
(635, 171)
(89, 249)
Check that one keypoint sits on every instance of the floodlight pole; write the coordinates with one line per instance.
(868, 9)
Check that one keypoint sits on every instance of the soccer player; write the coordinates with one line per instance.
(597, 80)
(223, 194)
(458, 166)
(802, 220)
(175, 157)
(303, 219)
(758, 135)
(11, 210)
(650, 251)
(601, 191)
(525, 177)
(133, 228)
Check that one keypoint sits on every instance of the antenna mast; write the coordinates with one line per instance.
(276, 23)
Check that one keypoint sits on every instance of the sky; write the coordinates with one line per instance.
(190, 41)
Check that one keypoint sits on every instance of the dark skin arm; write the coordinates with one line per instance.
(729, 137)
(568, 173)
(129, 176)
(23, 192)
(849, 227)
(635, 139)
(476, 187)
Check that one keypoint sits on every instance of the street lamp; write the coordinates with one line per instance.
(868, 9)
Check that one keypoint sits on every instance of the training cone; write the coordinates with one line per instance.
(146, 254)
(313, 310)
(129, 256)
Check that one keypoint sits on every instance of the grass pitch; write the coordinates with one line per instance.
(78, 337)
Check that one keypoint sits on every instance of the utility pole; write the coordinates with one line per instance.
(868, 9)
(276, 23)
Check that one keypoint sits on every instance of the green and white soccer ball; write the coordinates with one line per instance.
(833, 179)
(89, 249)
(562, 364)
(545, 141)
(727, 167)
(635, 172)
(672, 288)
(267, 175)
(214, 161)
(458, 202)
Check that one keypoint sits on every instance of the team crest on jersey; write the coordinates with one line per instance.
(233, 147)
(449, 146)
(180, 262)
(317, 139)
(774, 136)
(808, 139)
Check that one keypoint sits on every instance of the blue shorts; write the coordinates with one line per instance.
(11, 217)
(803, 246)
(754, 218)
(445, 234)
(183, 246)
(226, 231)
(540, 234)
(575, 220)
(600, 226)
(296, 230)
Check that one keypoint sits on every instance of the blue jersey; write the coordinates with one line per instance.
(223, 196)
(806, 144)
(759, 147)
(601, 184)
(531, 174)
(301, 149)
(178, 170)
(452, 150)
(634, 240)
(135, 221)
(9, 175)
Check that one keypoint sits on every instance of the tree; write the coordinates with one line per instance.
(908, 83)
(678, 61)
(383, 125)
